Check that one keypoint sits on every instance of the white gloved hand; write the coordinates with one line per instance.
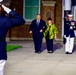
(71, 27)
(64, 36)
(6, 9)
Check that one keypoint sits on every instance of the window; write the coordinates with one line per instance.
(31, 9)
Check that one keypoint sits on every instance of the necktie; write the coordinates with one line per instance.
(37, 22)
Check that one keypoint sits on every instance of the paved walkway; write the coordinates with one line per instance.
(24, 61)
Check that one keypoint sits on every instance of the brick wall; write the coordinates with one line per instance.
(58, 17)
(48, 9)
(23, 31)
(18, 5)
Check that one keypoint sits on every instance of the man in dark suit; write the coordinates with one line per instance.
(5, 24)
(37, 28)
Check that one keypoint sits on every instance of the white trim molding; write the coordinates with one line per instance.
(49, 3)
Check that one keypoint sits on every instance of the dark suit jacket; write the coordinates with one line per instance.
(36, 29)
(5, 24)
(68, 31)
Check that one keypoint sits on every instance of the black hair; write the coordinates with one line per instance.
(49, 19)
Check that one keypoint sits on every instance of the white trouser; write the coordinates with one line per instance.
(2, 64)
(69, 44)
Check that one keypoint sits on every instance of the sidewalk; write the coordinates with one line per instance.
(24, 61)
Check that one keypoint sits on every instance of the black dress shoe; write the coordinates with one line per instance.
(68, 53)
(50, 51)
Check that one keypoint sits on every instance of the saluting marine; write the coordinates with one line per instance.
(5, 24)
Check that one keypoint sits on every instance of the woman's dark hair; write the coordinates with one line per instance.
(49, 19)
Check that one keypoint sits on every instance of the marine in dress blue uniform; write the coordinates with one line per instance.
(69, 34)
(5, 24)
(37, 28)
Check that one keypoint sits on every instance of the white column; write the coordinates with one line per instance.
(67, 5)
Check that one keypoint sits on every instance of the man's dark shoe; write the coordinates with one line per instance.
(37, 52)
